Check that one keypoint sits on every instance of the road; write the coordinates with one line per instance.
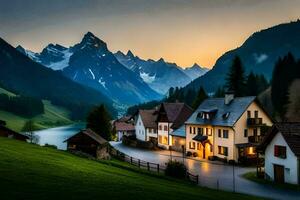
(212, 174)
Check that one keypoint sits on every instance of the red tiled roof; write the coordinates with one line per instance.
(124, 126)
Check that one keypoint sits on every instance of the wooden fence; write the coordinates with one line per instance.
(149, 166)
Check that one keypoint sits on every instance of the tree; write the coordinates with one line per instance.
(220, 92)
(285, 71)
(201, 96)
(251, 85)
(29, 128)
(98, 120)
(235, 80)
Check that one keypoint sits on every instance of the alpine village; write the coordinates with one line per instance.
(91, 121)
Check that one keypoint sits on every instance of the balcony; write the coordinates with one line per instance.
(254, 122)
(255, 139)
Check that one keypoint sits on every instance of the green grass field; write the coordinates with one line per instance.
(32, 172)
(53, 116)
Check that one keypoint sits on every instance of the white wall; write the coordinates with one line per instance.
(224, 142)
(140, 130)
(151, 132)
(290, 163)
(164, 133)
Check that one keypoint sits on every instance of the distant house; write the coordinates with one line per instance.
(227, 128)
(124, 126)
(6, 132)
(281, 147)
(145, 125)
(87, 141)
(171, 116)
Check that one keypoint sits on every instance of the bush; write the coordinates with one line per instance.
(189, 153)
(195, 154)
(176, 169)
(212, 158)
(231, 162)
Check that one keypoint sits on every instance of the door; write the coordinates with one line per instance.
(279, 173)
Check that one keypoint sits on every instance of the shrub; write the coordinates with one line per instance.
(176, 169)
(231, 162)
(195, 154)
(189, 153)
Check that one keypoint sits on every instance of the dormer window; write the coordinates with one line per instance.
(225, 115)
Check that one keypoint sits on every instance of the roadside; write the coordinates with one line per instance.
(213, 175)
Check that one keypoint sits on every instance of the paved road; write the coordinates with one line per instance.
(212, 174)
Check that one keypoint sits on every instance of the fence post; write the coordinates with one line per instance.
(130, 160)
(157, 168)
(148, 167)
(197, 181)
(139, 163)
(217, 184)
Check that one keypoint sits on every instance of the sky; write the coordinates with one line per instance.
(181, 31)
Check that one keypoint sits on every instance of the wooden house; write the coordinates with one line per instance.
(89, 142)
(6, 132)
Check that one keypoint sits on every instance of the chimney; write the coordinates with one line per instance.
(229, 96)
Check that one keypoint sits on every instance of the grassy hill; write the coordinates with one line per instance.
(53, 116)
(32, 172)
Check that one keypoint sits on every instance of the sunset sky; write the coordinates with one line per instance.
(181, 31)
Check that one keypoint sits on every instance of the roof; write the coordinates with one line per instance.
(13, 132)
(124, 126)
(233, 111)
(172, 110)
(2, 123)
(200, 138)
(92, 135)
(180, 132)
(182, 116)
(148, 118)
(290, 132)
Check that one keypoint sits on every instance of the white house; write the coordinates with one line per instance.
(226, 128)
(281, 147)
(170, 117)
(124, 126)
(145, 125)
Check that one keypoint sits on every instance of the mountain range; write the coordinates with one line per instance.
(258, 53)
(21, 75)
(160, 75)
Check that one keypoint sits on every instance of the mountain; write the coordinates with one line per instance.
(21, 75)
(195, 71)
(258, 54)
(160, 75)
(91, 63)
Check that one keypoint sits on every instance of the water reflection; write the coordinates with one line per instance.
(57, 136)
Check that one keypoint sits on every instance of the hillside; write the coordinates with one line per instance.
(258, 54)
(56, 174)
(20, 74)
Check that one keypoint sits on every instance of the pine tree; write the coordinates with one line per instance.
(284, 73)
(201, 96)
(99, 121)
(235, 80)
(251, 85)
(220, 92)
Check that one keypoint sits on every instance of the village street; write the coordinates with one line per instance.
(212, 174)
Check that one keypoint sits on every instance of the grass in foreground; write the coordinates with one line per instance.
(31, 172)
(252, 177)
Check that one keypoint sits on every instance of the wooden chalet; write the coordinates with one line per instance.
(6, 132)
(87, 141)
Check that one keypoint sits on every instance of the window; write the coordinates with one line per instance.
(225, 133)
(192, 145)
(194, 130)
(191, 130)
(140, 123)
(280, 151)
(208, 131)
(245, 132)
(198, 146)
(200, 131)
(160, 127)
(219, 133)
(165, 128)
(165, 140)
(256, 114)
(255, 132)
(223, 150)
(248, 113)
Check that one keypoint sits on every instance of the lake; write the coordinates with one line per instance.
(57, 136)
